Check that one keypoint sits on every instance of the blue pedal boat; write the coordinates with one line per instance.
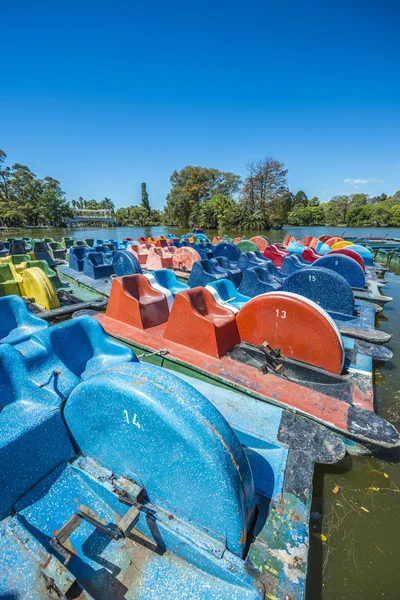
(115, 459)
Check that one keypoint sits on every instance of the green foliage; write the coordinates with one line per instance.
(82, 204)
(306, 215)
(195, 185)
(138, 216)
(27, 200)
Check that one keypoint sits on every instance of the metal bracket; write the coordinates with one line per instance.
(272, 357)
(121, 529)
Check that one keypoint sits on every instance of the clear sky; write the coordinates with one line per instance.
(105, 95)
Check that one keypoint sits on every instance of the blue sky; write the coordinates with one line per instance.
(103, 96)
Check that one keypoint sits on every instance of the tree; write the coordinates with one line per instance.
(107, 204)
(306, 215)
(300, 199)
(145, 198)
(192, 186)
(53, 206)
(265, 193)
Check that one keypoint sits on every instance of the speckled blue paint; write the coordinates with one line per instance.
(17, 322)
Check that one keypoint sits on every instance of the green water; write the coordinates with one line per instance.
(360, 499)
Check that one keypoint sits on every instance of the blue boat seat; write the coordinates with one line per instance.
(59, 357)
(345, 266)
(98, 265)
(325, 287)
(77, 257)
(235, 274)
(101, 248)
(125, 263)
(257, 280)
(33, 438)
(291, 264)
(205, 271)
(42, 253)
(167, 279)
(205, 253)
(17, 321)
(225, 293)
(228, 250)
(247, 260)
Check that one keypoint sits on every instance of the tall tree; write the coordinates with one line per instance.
(265, 193)
(145, 198)
(195, 185)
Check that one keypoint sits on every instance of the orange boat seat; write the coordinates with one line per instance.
(135, 302)
(198, 322)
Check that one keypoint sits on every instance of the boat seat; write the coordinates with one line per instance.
(225, 293)
(77, 257)
(365, 254)
(198, 322)
(68, 242)
(185, 257)
(98, 265)
(59, 357)
(18, 322)
(4, 251)
(102, 248)
(345, 266)
(258, 280)
(291, 264)
(159, 258)
(140, 252)
(56, 250)
(33, 438)
(300, 328)
(247, 260)
(8, 285)
(42, 253)
(295, 247)
(204, 272)
(325, 287)
(81, 243)
(18, 247)
(125, 263)
(134, 301)
(203, 252)
(351, 254)
(235, 274)
(246, 246)
(275, 254)
(309, 255)
(44, 266)
(260, 241)
(110, 246)
(227, 250)
(167, 279)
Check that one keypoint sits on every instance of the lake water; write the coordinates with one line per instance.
(360, 499)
